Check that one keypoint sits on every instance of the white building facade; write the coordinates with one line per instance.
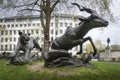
(9, 27)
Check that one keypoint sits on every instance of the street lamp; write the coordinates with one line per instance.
(108, 49)
(108, 41)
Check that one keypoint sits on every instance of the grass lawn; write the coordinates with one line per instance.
(104, 71)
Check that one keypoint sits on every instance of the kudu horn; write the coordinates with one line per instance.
(82, 8)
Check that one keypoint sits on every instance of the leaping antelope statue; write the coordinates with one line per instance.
(75, 36)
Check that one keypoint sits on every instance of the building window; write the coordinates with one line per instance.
(51, 24)
(28, 31)
(61, 31)
(61, 24)
(14, 47)
(6, 47)
(37, 38)
(10, 47)
(66, 24)
(33, 24)
(2, 32)
(2, 39)
(32, 31)
(16, 25)
(20, 25)
(56, 24)
(14, 31)
(1, 47)
(14, 39)
(12, 25)
(52, 31)
(10, 39)
(8, 25)
(25, 25)
(38, 24)
(10, 32)
(56, 32)
(6, 32)
(29, 24)
(23, 31)
(37, 31)
(6, 39)
(70, 24)
(4, 26)
(51, 38)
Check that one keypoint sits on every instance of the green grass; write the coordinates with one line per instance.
(104, 71)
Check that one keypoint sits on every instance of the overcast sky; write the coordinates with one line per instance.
(112, 31)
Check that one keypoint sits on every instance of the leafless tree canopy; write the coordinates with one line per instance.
(28, 7)
(46, 7)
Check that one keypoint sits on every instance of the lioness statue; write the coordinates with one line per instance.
(26, 43)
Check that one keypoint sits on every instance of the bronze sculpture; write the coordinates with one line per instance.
(25, 43)
(73, 37)
(59, 55)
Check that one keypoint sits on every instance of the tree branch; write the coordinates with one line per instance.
(43, 6)
(42, 20)
(34, 5)
(52, 8)
(30, 10)
(36, 2)
(16, 6)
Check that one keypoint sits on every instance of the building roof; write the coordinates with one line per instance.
(38, 16)
(110, 50)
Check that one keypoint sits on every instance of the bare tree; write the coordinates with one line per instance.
(46, 7)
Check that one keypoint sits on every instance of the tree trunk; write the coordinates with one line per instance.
(46, 10)
(46, 34)
(47, 26)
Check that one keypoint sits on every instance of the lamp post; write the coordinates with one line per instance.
(108, 41)
(108, 49)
